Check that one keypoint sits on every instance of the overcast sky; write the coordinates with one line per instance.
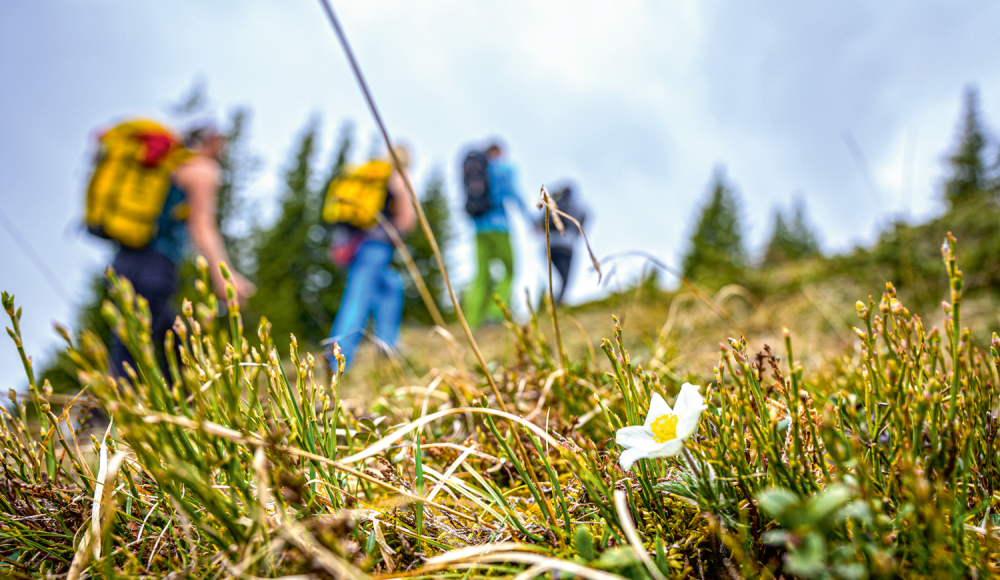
(637, 101)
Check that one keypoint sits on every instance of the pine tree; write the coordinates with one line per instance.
(968, 181)
(282, 257)
(716, 255)
(325, 282)
(792, 239)
(435, 206)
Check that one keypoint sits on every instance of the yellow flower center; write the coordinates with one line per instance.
(664, 428)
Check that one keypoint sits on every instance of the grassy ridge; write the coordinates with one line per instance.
(881, 462)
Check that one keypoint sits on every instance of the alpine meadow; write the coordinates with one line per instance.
(777, 412)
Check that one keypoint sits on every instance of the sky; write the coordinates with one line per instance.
(640, 103)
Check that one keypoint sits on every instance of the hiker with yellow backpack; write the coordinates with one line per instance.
(361, 203)
(151, 193)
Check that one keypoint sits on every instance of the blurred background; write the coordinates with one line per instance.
(853, 113)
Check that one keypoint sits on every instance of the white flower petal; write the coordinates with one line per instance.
(635, 436)
(657, 408)
(688, 424)
(630, 456)
(689, 400)
(668, 449)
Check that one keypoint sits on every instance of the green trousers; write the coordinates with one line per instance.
(479, 306)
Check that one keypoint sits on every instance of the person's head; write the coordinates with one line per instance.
(562, 191)
(494, 150)
(402, 155)
(206, 139)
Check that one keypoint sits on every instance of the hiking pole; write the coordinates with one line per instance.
(35, 258)
(424, 224)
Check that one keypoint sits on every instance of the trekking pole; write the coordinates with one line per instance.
(424, 224)
(35, 258)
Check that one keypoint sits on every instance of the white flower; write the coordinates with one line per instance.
(665, 429)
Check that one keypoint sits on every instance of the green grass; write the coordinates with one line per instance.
(873, 455)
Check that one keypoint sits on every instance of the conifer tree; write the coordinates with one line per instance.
(282, 254)
(968, 181)
(716, 255)
(792, 239)
(325, 282)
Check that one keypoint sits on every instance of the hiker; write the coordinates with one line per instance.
(489, 181)
(567, 200)
(151, 247)
(362, 244)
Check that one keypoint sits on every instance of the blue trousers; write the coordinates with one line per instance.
(373, 289)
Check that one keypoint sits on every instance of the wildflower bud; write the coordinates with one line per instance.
(861, 334)
(12, 395)
(734, 343)
(890, 289)
(187, 308)
(201, 263)
(784, 332)
(200, 286)
(64, 333)
(946, 306)
(179, 329)
(957, 281)
(861, 309)
(883, 304)
(263, 329)
(895, 306)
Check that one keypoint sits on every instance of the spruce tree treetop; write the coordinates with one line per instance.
(282, 252)
(968, 181)
(792, 238)
(716, 255)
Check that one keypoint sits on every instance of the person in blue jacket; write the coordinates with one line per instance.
(493, 242)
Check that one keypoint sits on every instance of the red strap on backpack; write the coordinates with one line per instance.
(155, 147)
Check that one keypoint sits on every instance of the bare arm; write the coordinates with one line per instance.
(199, 179)
(404, 217)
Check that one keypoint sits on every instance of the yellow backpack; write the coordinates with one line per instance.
(130, 181)
(358, 194)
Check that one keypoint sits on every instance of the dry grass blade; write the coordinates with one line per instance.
(540, 563)
(90, 544)
(387, 441)
(557, 213)
(632, 534)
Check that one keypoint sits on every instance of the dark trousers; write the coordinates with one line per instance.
(562, 259)
(154, 277)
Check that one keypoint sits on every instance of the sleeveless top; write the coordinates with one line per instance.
(171, 237)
